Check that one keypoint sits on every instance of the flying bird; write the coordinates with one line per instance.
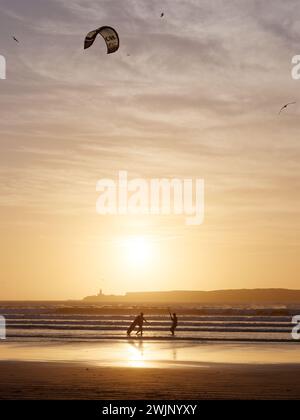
(15, 39)
(162, 15)
(285, 106)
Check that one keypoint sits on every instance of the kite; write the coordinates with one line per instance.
(285, 106)
(110, 36)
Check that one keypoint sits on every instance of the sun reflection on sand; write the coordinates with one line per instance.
(137, 353)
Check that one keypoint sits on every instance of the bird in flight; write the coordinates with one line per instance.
(285, 106)
(15, 39)
(162, 15)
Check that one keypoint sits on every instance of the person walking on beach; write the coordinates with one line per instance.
(174, 320)
(138, 321)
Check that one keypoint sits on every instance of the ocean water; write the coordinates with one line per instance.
(72, 322)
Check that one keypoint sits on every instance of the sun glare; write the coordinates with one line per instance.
(138, 251)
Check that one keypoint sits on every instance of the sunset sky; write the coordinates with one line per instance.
(193, 95)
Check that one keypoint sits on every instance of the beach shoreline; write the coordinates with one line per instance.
(139, 370)
(66, 381)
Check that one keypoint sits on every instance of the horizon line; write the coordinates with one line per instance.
(154, 291)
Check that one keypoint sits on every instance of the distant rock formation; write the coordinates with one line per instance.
(238, 296)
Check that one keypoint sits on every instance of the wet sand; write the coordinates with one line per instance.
(138, 370)
(142, 353)
(33, 380)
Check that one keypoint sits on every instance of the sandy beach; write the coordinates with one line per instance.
(119, 371)
(28, 380)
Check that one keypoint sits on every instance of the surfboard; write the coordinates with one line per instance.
(132, 327)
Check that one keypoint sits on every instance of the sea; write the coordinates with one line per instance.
(74, 321)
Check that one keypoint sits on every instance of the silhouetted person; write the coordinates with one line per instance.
(174, 320)
(140, 322)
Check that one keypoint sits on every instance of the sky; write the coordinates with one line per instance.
(195, 94)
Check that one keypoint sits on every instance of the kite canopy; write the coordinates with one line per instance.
(110, 36)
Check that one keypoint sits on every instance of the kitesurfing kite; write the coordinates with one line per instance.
(285, 106)
(110, 36)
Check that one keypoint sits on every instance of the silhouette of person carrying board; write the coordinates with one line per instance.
(139, 321)
(174, 320)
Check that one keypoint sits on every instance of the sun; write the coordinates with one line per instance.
(138, 251)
